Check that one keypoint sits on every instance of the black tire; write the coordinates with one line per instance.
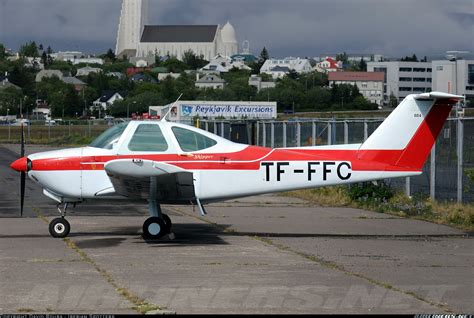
(59, 228)
(154, 228)
(168, 223)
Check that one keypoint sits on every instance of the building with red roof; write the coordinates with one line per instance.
(370, 84)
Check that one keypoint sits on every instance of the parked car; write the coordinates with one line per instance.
(18, 122)
(50, 123)
(108, 117)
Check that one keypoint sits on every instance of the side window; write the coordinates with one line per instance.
(192, 141)
(148, 137)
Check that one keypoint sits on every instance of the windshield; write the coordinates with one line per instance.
(109, 137)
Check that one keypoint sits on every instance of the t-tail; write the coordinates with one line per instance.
(404, 140)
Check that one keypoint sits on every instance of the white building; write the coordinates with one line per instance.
(403, 78)
(133, 18)
(455, 77)
(136, 38)
(48, 74)
(185, 111)
(209, 81)
(142, 61)
(256, 81)
(87, 60)
(107, 99)
(76, 57)
(370, 84)
(328, 64)
(223, 64)
(85, 71)
(278, 68)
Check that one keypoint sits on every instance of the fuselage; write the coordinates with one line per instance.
(225, 170)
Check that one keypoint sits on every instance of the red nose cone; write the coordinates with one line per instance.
(20, 164)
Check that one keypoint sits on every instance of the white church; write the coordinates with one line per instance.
(135, 38)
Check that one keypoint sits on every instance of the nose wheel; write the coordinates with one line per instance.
(59, 227)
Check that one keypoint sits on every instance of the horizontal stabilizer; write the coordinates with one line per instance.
(437, 95)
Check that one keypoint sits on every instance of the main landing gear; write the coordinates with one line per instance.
(60, 227)
(158, 224)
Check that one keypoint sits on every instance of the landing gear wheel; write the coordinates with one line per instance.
(154, 228)
(168, 223)
(59, 227)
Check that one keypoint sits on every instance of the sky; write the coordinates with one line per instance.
(394, 28)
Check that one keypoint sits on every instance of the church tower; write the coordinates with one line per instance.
(133, 18)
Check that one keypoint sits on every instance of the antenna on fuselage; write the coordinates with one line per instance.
(170, 108)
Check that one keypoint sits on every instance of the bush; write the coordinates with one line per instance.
(371, 192)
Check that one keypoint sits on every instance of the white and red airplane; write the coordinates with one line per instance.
(169, 163)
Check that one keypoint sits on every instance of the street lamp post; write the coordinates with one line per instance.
(8, 121)
(128, 110)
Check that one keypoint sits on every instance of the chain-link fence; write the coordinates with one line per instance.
(447, 174)
(44, 132)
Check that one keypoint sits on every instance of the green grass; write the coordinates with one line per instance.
(448, 213)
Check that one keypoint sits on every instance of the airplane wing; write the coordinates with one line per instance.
(142, 179)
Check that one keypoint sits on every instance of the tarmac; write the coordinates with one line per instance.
(263, 254)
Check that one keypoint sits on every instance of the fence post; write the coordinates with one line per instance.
(215, 127)
(222, 129)
(407, 186)
(433, 172)
(264, 135)
(90, 133)
(459, 148)
(9, 131)
(329, 133)
(346, 132)
(49, 131)
(258, 134)
(29, 134)
(207, 125)
(69, 128)
(366, 130)
(298, 134)
(272, 135)
(284, 133)
(313, 133)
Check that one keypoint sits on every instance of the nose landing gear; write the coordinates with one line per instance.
(60, 227)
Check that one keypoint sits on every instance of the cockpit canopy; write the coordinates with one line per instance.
(149, 136)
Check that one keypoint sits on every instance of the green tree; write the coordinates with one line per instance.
(10, 99)
(22, 77)
(174, 65)
(257, 65)
(193, 61)
(393, 102)
(29, 49)
(343, 57)
(110, 55)
(3, 52)
(362, 65)
(264, 56)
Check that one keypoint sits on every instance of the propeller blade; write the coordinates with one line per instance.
(22, 191)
